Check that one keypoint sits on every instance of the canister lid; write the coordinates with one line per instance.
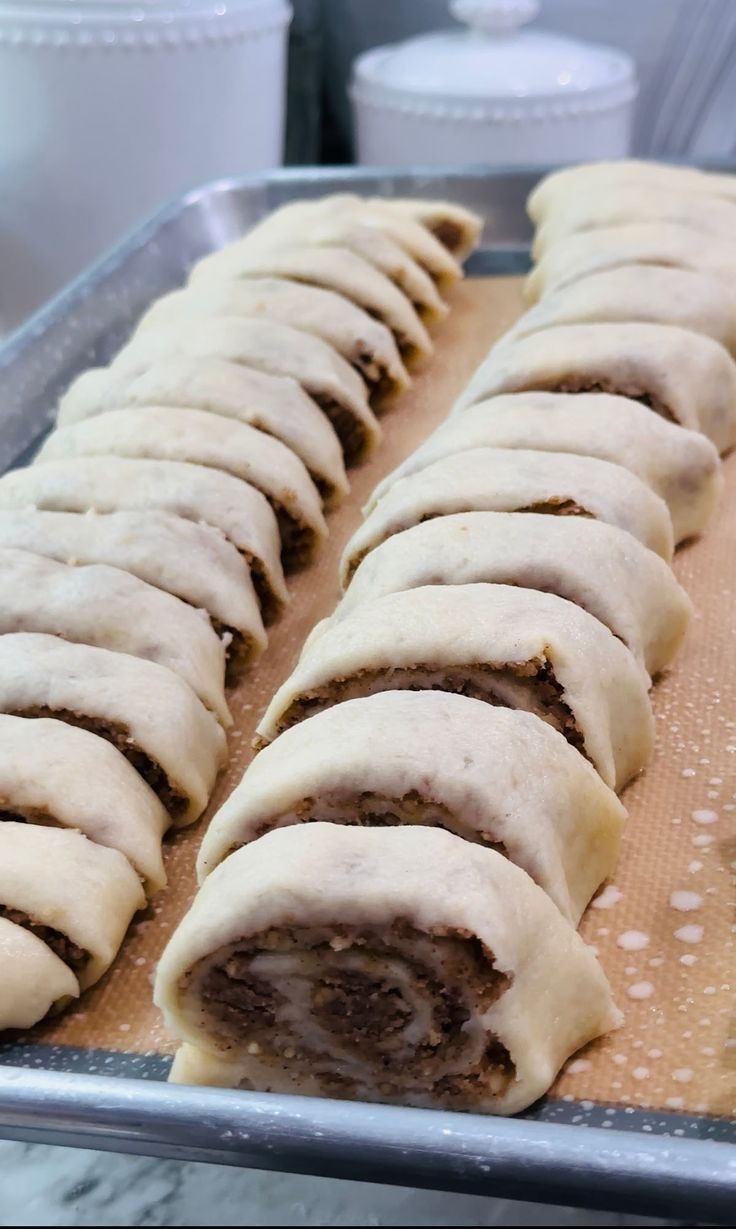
(494, 69)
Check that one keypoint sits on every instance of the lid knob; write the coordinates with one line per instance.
(494, 16)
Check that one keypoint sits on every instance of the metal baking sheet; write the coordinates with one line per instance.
(569, 1151)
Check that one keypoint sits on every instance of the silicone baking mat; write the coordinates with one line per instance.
(664, 928)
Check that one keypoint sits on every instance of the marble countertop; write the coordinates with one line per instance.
(43, 1185)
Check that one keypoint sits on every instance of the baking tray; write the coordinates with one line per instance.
(567, 1149)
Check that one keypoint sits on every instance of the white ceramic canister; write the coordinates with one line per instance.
(108, 107)
(493, 93)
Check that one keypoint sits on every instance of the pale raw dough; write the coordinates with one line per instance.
(598, 566)
(274, 348)
(651, 294)
(33, 979)
(334, 268)
(709, 215)
(560, 188)
(194, 492)
(303, 223)
(528, 991)
(431, 758)
(275, 404)
(684, 376)
(456, 227)
(60, 879)
(193, 562)
(103, 606)
(139, 705)
(213, 441)
(53, 771)
(510, 646)
(515, 480)
(361, 340)
(640, 243)
(681, 466)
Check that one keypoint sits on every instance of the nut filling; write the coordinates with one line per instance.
(172, 799)
(75, 957)
(530, 686)
(380, 1013)
(618, 388)
(349, 430)
(370, 810)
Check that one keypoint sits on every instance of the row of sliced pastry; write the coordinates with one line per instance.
(143, 546)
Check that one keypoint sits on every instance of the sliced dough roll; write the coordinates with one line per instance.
(274, 404)
(557, 190)
(429, 758)
(647, 293)
(641, 243)
(273, 348)
(681, 466)
(515, 647)
(192, 562)
(111, 484)
(457, 228)
(76, 896)
(597, 566)
(60, 776)
(362, 341)
(501, 480)
(406, 230)
(334, 268)
(212, 441)
(145, 710)
(98, 605)
(386, 965)
(306, 222)
(599, 208)
(34, 980)
(685, 377)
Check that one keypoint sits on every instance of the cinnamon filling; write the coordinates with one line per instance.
(238, 653)
(298, 540)
(621, 389)
(366, 1011)
(370, 810)
(381, 384)
(449, 233)
(118, 734)
(350, 430)
(271, 605)
(530, 686)
(74, 957)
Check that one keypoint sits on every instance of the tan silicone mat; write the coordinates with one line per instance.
(665, 928)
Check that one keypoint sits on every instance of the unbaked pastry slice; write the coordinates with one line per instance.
(686, 377)
(58, 775)
(631, 204)
(404, 228)
(193, 492)
(425, 757)
(519, 480)
(277, 405)
(34, 980)
(457, 228)
(150, 714)
(681, 466)
(640, 243)
(515, 647)
(651, 294)
(78, 897)
(209, 440)
(402, 965)
(364, 342)
(107, 607)
(560, 188)
(275, 349)
(334, 268)
(307, 223)
(601, 568)
(193, 562)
